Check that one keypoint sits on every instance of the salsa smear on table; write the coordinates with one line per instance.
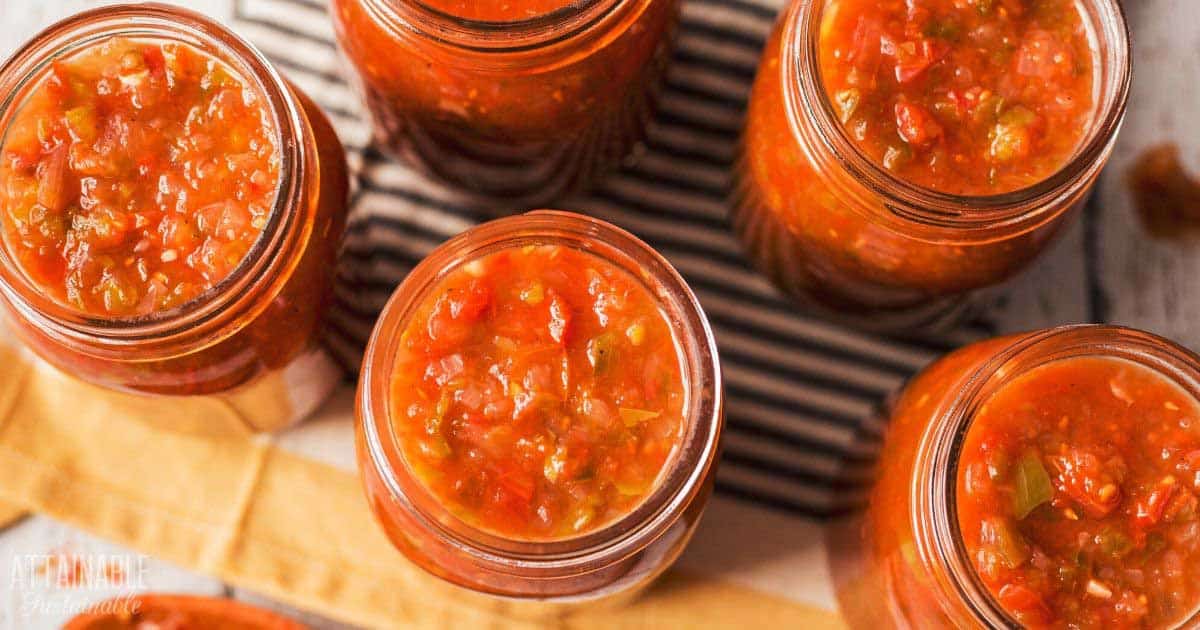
(1166, 195)
(1077, 496)
(969, 97)
(137, 176)
(502, 10)
(538, 392)
(178, 612)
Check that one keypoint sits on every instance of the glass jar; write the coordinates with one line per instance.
(902, 562)
(848, 240)
(530, 109)
(615, 560)
(253, 336)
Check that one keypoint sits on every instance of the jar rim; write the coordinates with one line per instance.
(493, 37)
(935, 514)
(232, 295)
(680, 482)
(906, 205)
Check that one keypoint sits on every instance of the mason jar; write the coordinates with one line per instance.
(1049, 417)
(848, 237)
(253, 335)
(528, 106)
(614, 556)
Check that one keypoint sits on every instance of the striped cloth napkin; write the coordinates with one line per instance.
(800, 391)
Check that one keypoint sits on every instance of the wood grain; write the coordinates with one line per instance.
(1109, 268)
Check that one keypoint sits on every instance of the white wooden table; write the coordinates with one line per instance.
(1105, 269)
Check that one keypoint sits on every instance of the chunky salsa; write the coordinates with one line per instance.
(870, 253)
(1077, 496)
(137, 176)
(502, 11)
(538, 392)
(969, 97)
(511, 111)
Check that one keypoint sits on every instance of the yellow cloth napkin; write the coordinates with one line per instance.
(188, 481)
(10, 513)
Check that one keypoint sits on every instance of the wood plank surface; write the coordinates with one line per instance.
(1109, 268)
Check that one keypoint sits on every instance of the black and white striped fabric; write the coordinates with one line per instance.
(799, 390)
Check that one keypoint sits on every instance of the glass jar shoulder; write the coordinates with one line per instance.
(834, 243)
(881, 578)
(501, 95)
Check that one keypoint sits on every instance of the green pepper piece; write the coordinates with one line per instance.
(630, 489)
(1003, 537)
(602, 350)
(533, 294)
(1114, 542)
(118, 296)
(943, 29)
(217, 78)
(634, 417)
(1017, 115)
(83, 123)
(436, 446)
(1031, 486)
(1011, 136)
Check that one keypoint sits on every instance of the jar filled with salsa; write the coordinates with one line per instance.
(900, 155)
(170, 209)
(540, 409)
(526, 99)
(1042, 480)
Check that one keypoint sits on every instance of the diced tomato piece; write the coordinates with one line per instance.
(864, 52)
(916, 125)
(1081, 476)
(154, 60)
(457, 309)
(105, 228)
(518, 482)
(51, 174)
(1044, 56)
(1149, 509)
(910, 65)
(223, 220)
(1028, 606)
(865, 44)
(1193, 460)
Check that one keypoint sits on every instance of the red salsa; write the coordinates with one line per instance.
(137, 176)
(970, 97)
(538, 392)
(1077, 496)
(505, 107)
(502, 11)
(961, 97)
